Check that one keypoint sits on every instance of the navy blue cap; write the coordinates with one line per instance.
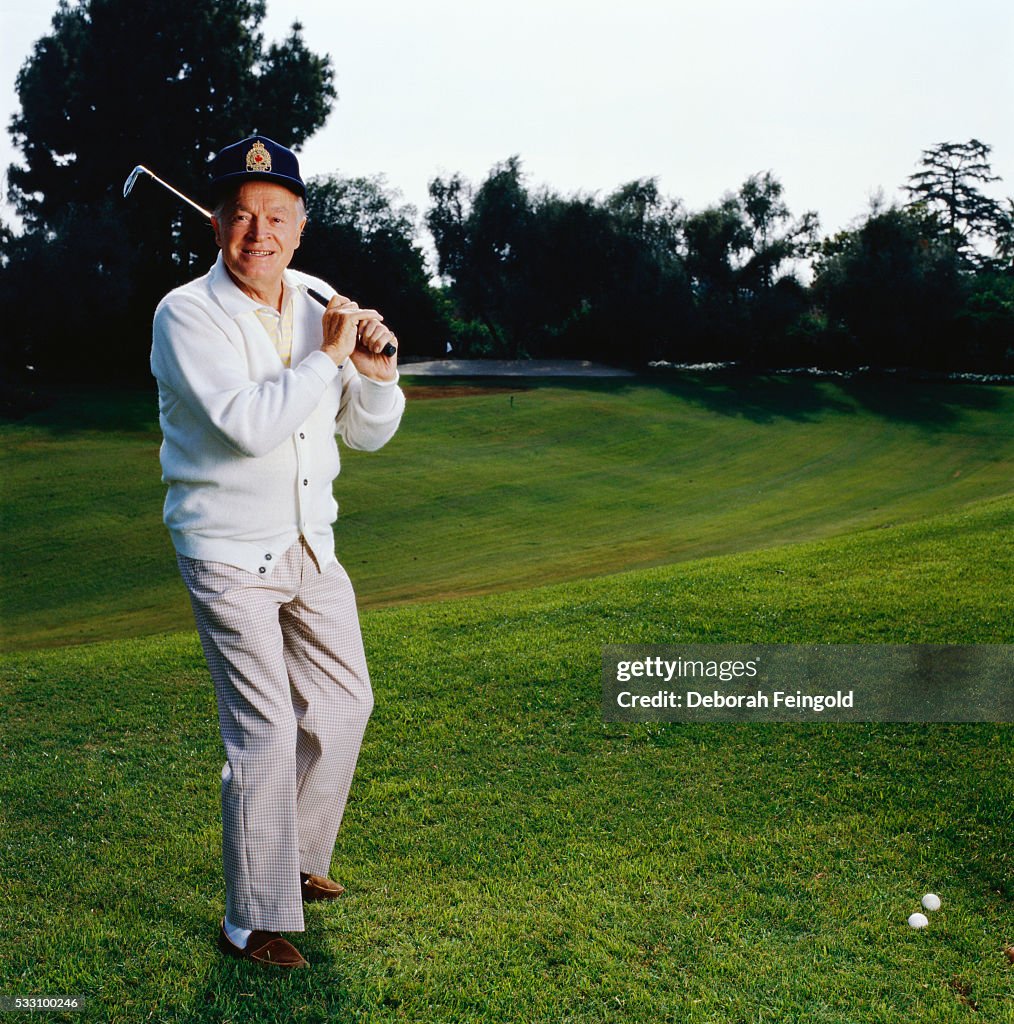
(256, 159)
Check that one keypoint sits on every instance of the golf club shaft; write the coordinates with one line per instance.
(388, 350)
(165, 184)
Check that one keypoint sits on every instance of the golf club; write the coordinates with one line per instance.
(140, 169)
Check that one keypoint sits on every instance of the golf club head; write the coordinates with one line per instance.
(131, 178)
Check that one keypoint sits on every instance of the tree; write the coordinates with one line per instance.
(481, 237)
(985, 323)
(949, 186)
(645, 272)
(739, 245)
(116, 83)
(894, 287)
(773, 237)
(713, 240)
(546, 274)
(641, 211)
(734, 252)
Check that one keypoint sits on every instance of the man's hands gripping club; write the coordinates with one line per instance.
(359, 335)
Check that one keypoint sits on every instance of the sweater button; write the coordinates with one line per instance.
(306, 483)
(262, 569)
(302, 437)
(267, 558)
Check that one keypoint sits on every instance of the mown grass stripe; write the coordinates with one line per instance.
(478, 495)
(511, 857)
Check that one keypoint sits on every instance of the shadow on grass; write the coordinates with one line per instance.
(930, 404)
(769, 397)
(734, 393)
(118, 411)
(764, 398)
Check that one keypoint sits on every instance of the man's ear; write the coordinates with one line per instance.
(214, 227)
(300, 238)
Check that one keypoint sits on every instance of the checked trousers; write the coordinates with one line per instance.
(287, 661)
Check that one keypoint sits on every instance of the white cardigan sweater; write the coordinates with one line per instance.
(249, 452)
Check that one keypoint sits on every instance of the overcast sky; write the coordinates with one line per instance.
(836, 97)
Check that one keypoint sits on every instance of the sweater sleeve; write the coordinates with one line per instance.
(370, 410)
(194, 358)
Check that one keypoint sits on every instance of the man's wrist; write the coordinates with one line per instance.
(381, 385)
(382, 381)
(322, 365)
(335, 358)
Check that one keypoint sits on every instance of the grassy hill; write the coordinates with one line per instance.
(510, 857)
(490, 489)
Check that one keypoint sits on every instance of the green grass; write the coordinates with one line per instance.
(495, 491)
(510, 857)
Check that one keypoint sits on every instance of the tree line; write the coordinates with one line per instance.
(634, 277)
(521, 271)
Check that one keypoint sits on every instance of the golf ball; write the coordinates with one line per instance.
(931, 901)
(918, 920)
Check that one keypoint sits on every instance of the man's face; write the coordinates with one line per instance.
(258, 230)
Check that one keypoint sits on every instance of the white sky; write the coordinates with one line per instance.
(836, 97)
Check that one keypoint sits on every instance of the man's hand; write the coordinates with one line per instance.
(359, 335)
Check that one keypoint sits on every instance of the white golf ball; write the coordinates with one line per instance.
(931, 901)
(918, 920)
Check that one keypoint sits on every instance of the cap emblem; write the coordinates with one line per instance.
(258, 158)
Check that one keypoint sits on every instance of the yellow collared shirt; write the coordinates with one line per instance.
(279, 327)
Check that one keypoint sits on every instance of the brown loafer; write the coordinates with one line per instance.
(316, 888)
(267, 948)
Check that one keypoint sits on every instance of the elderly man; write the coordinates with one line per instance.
(255, 379)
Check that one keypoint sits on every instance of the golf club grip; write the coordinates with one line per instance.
(388, 349)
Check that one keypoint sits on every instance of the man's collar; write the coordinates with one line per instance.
(232, 298)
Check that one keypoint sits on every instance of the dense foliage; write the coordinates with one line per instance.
(518, 271)
(634, 277)
(79, 285)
